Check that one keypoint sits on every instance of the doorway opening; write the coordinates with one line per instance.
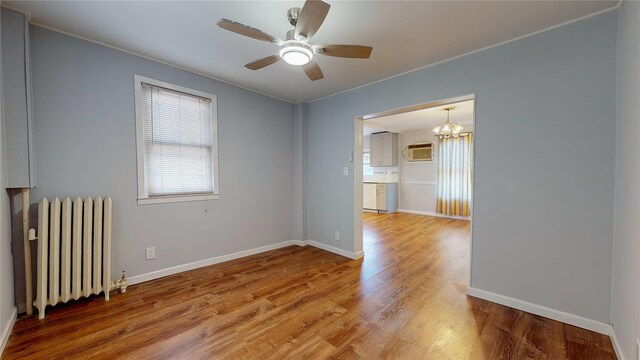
(414, 176)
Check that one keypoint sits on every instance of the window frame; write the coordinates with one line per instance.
(143, 197)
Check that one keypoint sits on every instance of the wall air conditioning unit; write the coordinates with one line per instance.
(420, 152)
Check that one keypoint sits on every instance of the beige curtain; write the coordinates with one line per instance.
(455, 176)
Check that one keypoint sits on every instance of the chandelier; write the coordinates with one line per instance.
(448, 127)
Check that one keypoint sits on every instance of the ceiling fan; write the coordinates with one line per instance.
(295, 50)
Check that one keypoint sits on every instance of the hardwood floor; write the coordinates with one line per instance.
(405, 300)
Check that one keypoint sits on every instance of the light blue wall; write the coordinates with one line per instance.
(16, 115)
(544, 161)
(7, 304)
(625, 290)
(300, 166)
(85, 145)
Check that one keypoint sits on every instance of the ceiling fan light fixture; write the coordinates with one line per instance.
(296, 53)
(295, 50)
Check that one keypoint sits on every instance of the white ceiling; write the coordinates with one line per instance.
(425, 119)
(404, 35)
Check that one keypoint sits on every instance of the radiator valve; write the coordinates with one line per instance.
(120, 284)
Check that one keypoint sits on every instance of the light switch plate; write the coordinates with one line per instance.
(345, 171)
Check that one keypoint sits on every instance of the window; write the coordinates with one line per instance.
(455, 174)
(176, 134)
(366, 163)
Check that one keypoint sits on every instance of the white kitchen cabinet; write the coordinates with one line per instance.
(370, 196)
(380, 197)
(387, 197)
(384, 149)
(375, 149)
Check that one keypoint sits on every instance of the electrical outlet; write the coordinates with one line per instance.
(336, 235)
(151, 253)
(345, 171)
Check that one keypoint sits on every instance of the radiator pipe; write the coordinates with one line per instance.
(27, 251)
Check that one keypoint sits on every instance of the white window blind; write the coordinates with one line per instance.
(178, 142)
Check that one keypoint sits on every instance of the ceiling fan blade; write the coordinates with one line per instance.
(311, 17)
(313, 71)
(260, 63)
(245, 30)
(346, 51)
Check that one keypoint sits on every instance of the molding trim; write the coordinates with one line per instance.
(28, 14)
(544, 311)
(553, 314)
(479, 50)
(137, 279)
(210, 261)
(6, 332)
(616, 345)
(429, 213)
(134, 53)
(335, 250)
(419, 182)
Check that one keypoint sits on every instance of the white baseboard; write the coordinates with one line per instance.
(6, 331)
(137, 279)
(429, 213)
(616, 345)
(544, 311)
(211, 261)
(218, 259)
(335, 250)
(553, 314)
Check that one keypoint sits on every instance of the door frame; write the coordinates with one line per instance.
(358, 176)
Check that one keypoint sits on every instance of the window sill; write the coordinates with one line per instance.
(177, 198)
